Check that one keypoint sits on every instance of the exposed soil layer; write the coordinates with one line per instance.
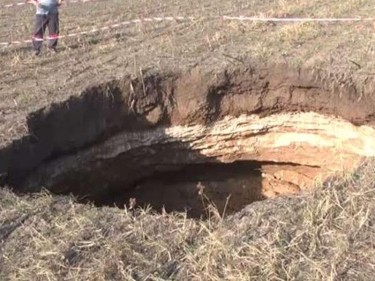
(158, 136)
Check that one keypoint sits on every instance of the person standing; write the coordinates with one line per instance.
(47, 15)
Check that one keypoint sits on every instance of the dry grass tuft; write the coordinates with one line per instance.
(324, 235)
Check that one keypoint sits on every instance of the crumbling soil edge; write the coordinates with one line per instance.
(171, 99)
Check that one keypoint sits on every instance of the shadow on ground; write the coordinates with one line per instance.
(61, 154)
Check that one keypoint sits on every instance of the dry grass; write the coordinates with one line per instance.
(28, 83)
(324, 235)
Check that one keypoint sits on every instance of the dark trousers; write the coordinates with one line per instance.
(41, 23)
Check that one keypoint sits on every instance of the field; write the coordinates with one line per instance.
(322, 234)
(29, 83)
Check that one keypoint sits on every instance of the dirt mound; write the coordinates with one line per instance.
(160, 135)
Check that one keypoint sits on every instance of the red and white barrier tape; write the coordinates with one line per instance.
(263, 19)
(95, 30)
(64, 2)
(159, 19)
(13, 5)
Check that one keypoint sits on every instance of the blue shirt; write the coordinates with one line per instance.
(47, 7)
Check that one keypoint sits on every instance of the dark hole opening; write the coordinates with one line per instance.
(228, 187)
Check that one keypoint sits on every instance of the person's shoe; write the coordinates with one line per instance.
(36, 53)
(53, 49)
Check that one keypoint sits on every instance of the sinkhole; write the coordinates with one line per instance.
(184, 142)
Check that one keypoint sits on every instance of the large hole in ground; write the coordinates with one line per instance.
(236, 137)
(229, 164)
(228, 187)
